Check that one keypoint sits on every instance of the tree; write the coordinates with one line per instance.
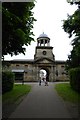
(72, 27)
(17, 23)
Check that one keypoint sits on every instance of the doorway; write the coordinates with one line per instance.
(44, 73)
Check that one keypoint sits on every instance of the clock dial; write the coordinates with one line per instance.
(44, 52)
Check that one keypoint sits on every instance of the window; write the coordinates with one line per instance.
(26, 65)
(17, 65)
(19, 76)
(62, 66)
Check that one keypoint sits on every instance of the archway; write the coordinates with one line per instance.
(44, 73)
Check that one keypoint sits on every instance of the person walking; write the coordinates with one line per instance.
(40, 82)
(46, 83)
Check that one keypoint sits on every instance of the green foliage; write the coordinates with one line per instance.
(72, 27)
(72, 24)
(75, 78)
(17, 23)
(74, 59)
(77, 2)
(7, 81)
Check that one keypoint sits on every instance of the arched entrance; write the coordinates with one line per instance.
(44, 73)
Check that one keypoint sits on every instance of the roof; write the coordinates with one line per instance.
(44, 47)
(60, 61)
(20, 61)
(32, 61)
(43, 36)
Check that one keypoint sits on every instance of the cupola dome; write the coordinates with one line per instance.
(43, 36)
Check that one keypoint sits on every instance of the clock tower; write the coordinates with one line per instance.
(43, 48)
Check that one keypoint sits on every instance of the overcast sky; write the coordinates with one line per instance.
(49, 15)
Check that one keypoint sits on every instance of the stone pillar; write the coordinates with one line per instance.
(52, 74)
(40, 42)
(56, 72)
(37, 71)
(47, 43)
(37, 43)
(54, 68)
(44, 42)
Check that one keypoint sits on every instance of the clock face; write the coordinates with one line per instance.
(44, 52)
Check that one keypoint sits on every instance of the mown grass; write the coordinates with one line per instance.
(67, 93)
(17, 92)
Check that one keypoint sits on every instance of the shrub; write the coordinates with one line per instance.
(75, 78)
(7, 81)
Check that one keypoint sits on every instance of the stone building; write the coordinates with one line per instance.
(29, 70)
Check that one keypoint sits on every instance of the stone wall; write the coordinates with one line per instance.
(31, 71)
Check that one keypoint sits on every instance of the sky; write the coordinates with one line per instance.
(49, 15)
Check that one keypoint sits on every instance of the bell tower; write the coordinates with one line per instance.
(43, 48)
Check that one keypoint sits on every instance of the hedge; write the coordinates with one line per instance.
(75, 78)
(7, 81)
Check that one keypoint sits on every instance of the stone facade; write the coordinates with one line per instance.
(29, 70)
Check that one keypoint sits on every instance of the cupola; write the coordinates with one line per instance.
(43, 40)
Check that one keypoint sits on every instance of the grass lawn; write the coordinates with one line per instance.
(67, 93)
(18, 91)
